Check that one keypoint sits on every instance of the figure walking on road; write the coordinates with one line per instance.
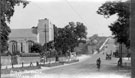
(98, 63)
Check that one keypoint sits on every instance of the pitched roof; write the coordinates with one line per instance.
(21, 33)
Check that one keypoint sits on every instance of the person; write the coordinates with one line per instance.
(119, 61)
(98, 63)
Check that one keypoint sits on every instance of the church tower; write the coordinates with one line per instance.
(45, 31)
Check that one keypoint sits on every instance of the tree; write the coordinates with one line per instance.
(50, 45)
(36, 48)
(120, 28)
(80, 30)
(68, 37)
(6, 12)
(57, 37)
(60, 44)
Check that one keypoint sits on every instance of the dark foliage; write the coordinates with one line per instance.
(36, 48)
(120, 28)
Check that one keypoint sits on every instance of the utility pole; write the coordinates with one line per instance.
(45, 40)
(121, 53)
(45, 44)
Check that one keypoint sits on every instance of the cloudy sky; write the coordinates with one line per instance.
(60, 12)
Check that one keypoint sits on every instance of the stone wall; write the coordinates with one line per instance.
(5, 60)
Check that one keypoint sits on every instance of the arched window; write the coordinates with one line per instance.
(14, 46)
(30, 44)
(21, 47)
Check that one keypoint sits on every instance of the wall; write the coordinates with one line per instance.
(5, 60)
(27, 60)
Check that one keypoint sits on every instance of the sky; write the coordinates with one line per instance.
(61, 12)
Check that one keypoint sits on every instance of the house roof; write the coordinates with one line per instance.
(21, 33)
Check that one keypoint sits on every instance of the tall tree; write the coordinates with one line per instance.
(60, 43)
(6, 12)
(120, 28)
(81, 30)
(68, 37)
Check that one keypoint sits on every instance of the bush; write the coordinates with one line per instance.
(7, 53)
(29, 54)
(16, 53)
(36, 48)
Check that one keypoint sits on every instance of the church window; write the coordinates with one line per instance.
(30, 44)
(21, 47)
(14, 46)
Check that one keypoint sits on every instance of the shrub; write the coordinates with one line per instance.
(36, 48)
(7, 53)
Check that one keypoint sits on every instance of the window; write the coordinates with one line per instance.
(14, 46)
(30, 44)
(21, 47)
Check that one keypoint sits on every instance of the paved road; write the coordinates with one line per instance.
(84, 69)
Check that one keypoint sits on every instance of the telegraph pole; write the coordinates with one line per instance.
(121, 53)
(45, 40)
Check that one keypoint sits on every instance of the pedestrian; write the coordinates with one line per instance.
(98, 63)
(119, 61)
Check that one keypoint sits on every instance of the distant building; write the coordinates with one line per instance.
(22, 39)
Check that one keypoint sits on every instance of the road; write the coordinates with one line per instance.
(84, 69)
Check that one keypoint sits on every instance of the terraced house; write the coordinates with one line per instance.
(22, 39)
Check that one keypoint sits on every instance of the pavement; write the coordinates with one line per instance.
(85, 68)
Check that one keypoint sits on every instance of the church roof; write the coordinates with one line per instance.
(21, 33)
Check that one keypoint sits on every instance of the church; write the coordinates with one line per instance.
(22, 39)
